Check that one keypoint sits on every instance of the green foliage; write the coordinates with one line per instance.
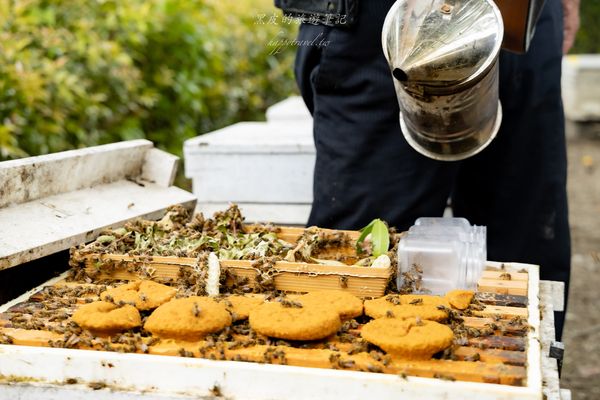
(78, 73)
(380, 237)
(588, 37)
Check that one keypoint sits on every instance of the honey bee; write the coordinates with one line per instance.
(216, 391)
(97, 385)
(290, 303)
(185, 353)
(346, 363)
(196, 310)
(444, 377)
(5, 339)
(343, 282)
(474, 357)
(374, 368)
(334, 358)
(505, 276)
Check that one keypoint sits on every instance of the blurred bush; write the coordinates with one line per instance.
(78, 73)
(588, 37)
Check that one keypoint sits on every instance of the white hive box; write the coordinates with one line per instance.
(52, 202)
(292, 108)
(264, 167)
(581, 87)
(33, 372)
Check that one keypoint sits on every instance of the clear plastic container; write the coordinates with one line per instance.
(442, 254)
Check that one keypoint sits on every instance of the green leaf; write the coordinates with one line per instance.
(380, 238)
(363, 235)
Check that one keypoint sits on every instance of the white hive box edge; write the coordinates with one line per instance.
(263, 166)
(52, 202)
(581, 87)
(292, 108)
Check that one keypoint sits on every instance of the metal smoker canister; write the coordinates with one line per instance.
(444, 59)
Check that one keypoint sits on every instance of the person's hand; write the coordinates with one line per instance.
(571, 23)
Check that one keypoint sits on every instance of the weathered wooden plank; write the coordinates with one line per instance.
(504, 275)
(503, 312)
(292, 277)
(34, 178)
(505, 326)
(498, 299)
(551, 387)
(498, 342)
(41, 227)
(159, 167)
(518, 288)
(50, 203)
(491, 356)
(554, 294)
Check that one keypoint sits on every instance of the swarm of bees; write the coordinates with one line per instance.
(412, 280)
(52, 308)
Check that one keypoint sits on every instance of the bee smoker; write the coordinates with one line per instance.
(443, 55)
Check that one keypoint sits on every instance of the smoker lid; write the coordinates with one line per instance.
(441, 43)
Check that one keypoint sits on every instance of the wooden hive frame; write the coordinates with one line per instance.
(510, 360)
(290, 276)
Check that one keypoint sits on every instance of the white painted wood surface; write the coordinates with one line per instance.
(555, 294)
(581, 87)
(45, 371)
(171, 376)
(534, 362)
(551, 387)
(159, 167)
(565, 394)
(45, 391)
(254, 178)
(60, 200)
(32, 178)
(292, 108)
(265, 166)
(254, 138)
